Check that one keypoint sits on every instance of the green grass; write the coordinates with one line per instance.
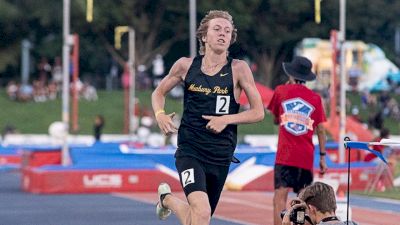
(35, 117)
(390, 194)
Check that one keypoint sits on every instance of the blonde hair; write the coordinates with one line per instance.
(203, 27)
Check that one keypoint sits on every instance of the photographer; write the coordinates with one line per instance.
(316, 204)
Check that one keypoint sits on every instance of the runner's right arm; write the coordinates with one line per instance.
(174, 77)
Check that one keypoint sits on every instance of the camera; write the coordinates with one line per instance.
(297, 216)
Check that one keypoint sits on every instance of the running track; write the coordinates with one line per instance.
(235, 208)
(255, 208)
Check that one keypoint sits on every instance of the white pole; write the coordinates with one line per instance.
(132, 70)
(65, 90)
(25, 61)
(342, 38)
(192, 24)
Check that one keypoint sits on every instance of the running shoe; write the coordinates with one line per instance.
(163, 212)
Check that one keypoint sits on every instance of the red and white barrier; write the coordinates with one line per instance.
(36, 180)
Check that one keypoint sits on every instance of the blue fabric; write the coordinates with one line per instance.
(8, 150)
(108, 156)
(355, 145)
(9, 167)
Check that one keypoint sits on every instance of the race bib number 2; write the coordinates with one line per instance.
(187, 177)
(222, 106)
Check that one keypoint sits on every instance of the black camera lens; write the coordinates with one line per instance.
(297, 216)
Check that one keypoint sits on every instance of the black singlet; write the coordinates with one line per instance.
(207, 95)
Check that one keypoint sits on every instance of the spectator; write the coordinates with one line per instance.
(44, 69)
(57, 73)
(376, 120)
(390, 153)
(77, 86)
(143, 79)
(158, 70)
(299, 112)
(394, 109)
(8, 129)
(12, 90)
(354, 76)
(52, 90)
(25, 93)
(89, 92)
(355, 114)
(98, 127)
(40, 91)
(383, 101)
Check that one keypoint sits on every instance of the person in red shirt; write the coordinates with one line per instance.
(299, 112)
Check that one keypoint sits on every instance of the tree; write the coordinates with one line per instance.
(157, 24)
(32, 20)
(277, 26)
(268, 29)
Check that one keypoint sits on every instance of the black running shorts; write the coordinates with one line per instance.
(290, 176)
(196, 175)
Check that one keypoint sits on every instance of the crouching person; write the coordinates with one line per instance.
(315, 205)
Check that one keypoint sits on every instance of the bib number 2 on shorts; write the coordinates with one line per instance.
(187, 177)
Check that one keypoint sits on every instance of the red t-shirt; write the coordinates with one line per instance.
(298, 110)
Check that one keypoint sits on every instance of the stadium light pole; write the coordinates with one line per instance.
(342, 123)
(192, 24)
(119, 31)
(131, 63)
(67, 42)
